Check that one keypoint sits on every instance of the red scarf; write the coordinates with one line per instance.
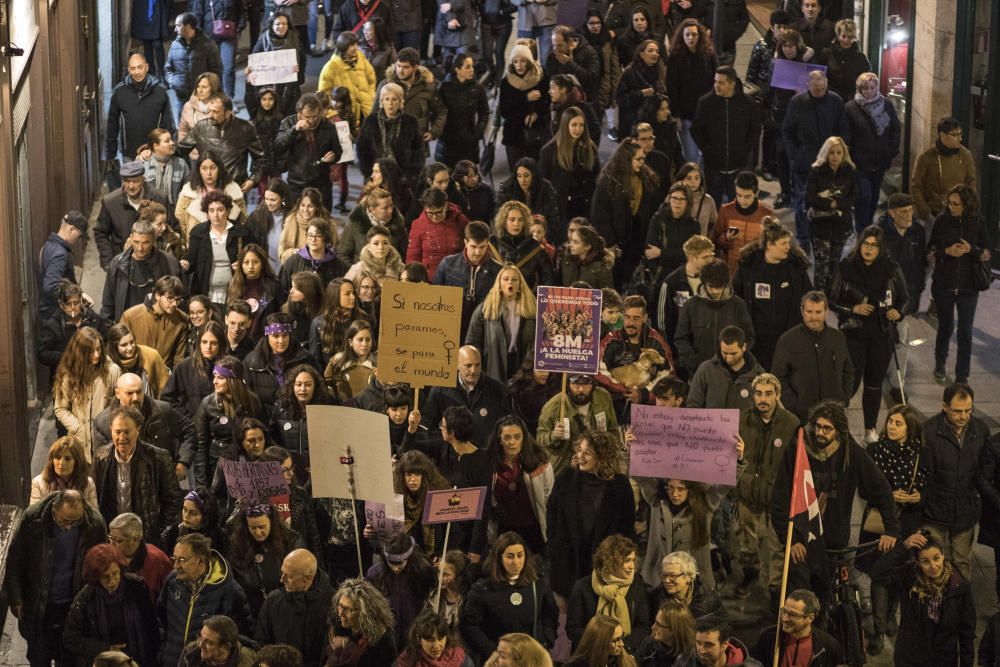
(452, 657)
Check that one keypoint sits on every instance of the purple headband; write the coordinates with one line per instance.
(258, 510)
(222, 371)
(196, 499)
(396, 559)
(279, 328)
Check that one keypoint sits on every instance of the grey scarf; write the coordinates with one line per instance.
(876, 111)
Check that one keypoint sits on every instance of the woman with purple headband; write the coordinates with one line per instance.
(199, 514)
(258, 542)
(276, 354)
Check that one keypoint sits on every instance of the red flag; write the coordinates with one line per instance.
(804, 511)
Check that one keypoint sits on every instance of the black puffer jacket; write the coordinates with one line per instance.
(407, 150)
(843, 67)
(543, 197)
(186, 61)
(701, 321)
(136, 108)
(156, 495)
(302, 157)
(297, 619)
(468, 112)
(215, 432)
(526, 254)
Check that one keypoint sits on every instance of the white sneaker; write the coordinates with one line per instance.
(871, 436)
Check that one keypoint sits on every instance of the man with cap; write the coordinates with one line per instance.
(906, 244)
(55, 261)
(139, 105)
(120, 208)
(566, 416)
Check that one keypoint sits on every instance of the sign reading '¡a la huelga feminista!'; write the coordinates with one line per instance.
(420, 327)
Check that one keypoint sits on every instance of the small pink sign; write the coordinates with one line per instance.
(454, 505)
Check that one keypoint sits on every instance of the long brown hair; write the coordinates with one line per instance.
(568, 148)
(334, 317)
(81, 469)
(310, 285)
(705, 48)
(698, 505)
(237, 284)
(619, 170)
(76, 372)
(494, 561)
(594, 648)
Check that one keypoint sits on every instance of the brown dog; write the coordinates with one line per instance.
(638, 374)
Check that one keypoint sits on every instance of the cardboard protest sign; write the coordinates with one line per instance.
(454, 505)
(420, 334)
(685, 443)
(568, 330)
(272, 67)
(792, 74)
(257, 482)
(349, 445)
(385, 520)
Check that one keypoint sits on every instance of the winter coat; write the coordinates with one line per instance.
(749, 225)
(600, 416)
(355, 235)
(705, 600)
(543, 197)
(843, 184)
(244, 656)
(297, 619)
(293, 234)
(629, 97)
(934, 173)
(955, 273)
(215, 433)
(765, 446)
(358, 78)
(595, 270)
(988, 481)
(669, 235)
(826, 651)
(727, 130)
(574, 187)
(285, 94)
(843, 67)
(187, 209)
(569, 549)
(575, 98)
(114, 222)
(619, 16)
(920, 641)
(514, 108)
(611, 213)
(812, 367)
(233, 143)
(853, 285)
(430, 242)
(464, 36)
(407, 149)
(713, 384)
(55, 263)
(910, 252)
(475, 281)
(200, 252)
(468, 112)
(808, 123)
(301, 155)
(28, 578)
(183, 610)
(151, 565)
(585, 66)
(870, 151)
(156, 496)
(816, 35)
(487, 402)
(349, 17)
(117, 281)
(421, 101)
(85, 632)
(489, 613)
(186, 61)
(691, 76)
(55, 332)
(582, 606)
(252, 574)
(41, 489)
(261, 377)
(77, 415)
(527, 255)
(162, 427)
(492, 339)
(186, 388)
(951, 495)
(135, 110)
(149, 21)
(701, 321)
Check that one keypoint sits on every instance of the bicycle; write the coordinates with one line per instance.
(843, 607)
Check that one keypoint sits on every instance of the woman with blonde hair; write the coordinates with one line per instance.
(602, 645)
(829, 202)
(65, 468)
(517, 649)
(672, 638)
(514, 244)
(502, 327)
(83, 386)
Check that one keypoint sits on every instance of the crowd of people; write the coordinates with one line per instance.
(238, 293)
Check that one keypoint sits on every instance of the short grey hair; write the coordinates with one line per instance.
(128, 523)
(143, 228)
(686, 561)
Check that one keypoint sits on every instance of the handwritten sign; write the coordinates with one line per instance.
(792, 74)
(419, 334)
(272, 67)
(454, 505)
(568, 330)
(384, 521)
(368, 466)
(684, 443)
(257, 482)
(346, 143)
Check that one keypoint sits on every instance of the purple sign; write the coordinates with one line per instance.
(568, 330)
(454, 505)
(793, 75)
(693, 444)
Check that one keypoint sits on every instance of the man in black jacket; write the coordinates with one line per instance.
(133, 476)
(296, 614)
(727, 130)
(44, 569)
(311, 145)
(474, 270)
(798, 617)
(190, 55)
(954, 440)
(120, 209)
(572, 55)
(132, 273)
(232, 139)
(139, 104)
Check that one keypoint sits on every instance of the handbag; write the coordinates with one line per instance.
(220, 27)
(982, 274)
(874, 523)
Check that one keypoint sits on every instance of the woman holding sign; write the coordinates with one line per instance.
(502, 327)
(413, 476)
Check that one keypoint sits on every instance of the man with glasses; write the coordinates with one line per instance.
(945, 164)
(158, 322)
(658, 161)
(237, 322)
(200, 586)
(954, 441)
(311, 146)
(296, 613)
(217, 645)
(132, 273)
(802, 643)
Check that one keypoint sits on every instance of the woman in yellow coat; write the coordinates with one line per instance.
(348, 67)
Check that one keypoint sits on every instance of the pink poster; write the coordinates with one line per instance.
(692, 444)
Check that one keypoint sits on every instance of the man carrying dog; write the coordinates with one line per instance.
(625, 346)
(724, 381)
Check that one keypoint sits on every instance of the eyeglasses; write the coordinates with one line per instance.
(824, 428)
(440, 213)
(785, 611)
(671, 576)
(870, 244)
(314, 236)
(678, 198)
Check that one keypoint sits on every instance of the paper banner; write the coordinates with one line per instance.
(273, 67)
(333, 432)
(692, 444)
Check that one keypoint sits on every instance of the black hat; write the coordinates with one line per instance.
(899, 200)
(77, 219)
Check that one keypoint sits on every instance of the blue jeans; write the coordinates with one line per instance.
(947, 301)
(409, 39)
(227, 49)
(688, 145)
(869, 187)
(799, 179)
(314, 21)
(543, 35)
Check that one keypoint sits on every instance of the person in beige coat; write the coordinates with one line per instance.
(65, 468)
(83, 386)
(293, 233)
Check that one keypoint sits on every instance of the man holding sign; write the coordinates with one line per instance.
(567, 416)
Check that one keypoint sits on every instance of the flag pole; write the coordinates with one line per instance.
(784, 588)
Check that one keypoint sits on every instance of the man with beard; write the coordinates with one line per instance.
(714, 647)
(217, 645)
(766, 428)
(802, 643)
(232, 138)
(584, 408)
(724, 380)
(840, 468)
(159, 323)
(132, 272)
(624, 346)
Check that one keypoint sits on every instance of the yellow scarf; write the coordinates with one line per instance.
(636, 199)
(611, 598)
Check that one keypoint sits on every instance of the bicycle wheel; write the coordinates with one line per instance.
(847, 620)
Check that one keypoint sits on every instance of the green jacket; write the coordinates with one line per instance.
(601, 417)
(764, 447)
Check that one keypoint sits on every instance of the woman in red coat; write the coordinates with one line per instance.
(437, 232)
